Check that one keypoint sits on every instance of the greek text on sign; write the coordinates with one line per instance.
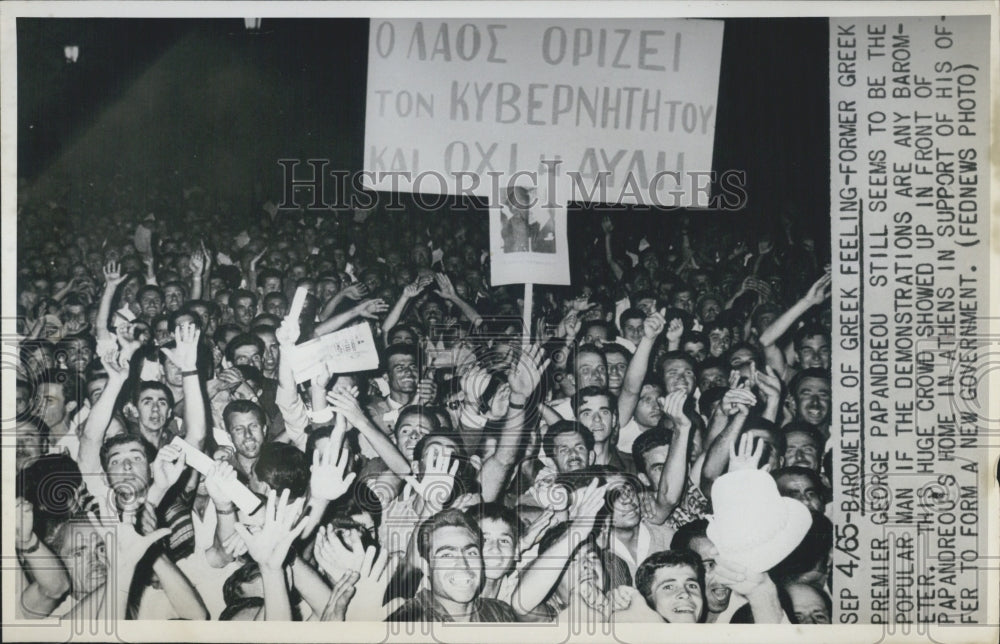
(454, 105)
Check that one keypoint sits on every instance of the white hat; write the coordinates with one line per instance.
(753, 524)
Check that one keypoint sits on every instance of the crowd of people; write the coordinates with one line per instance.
(653, 448)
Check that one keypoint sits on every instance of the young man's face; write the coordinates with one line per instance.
(248, 354)
(154, 409)
(276, 306)
(716, 593)
(402, 336)
(709, 310)
(456, 564)
(409, 431)
(654, 460)
(596, 335)
(814, 351)
(632, 330)
(571, 452)
(712, 377)
(684, 300)
(801, 449)
(52, 403)
(801, 488)
(30, 444)
(696, 350)
(625, 513)
(678, 375)
(95, 388)
(808, 604)
(247, 434)
(161, 332)
(401, 371)
(812, 400)
(173, 296)
(243, 311)
(85, 558)
(499, 548)
(719, 341)
(585, 567)
(128, 468)
(617, 366)
(151, 304)
(647, 409)
(78, 355)
(595, 414)
(272, 352)
(590, 370)
(676, 594)
(271, 285)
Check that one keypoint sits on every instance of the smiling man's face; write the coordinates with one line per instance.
(456, 564)
(677, 594)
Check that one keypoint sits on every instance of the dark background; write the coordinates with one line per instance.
(206, 98)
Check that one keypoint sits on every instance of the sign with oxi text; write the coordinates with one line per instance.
(627, 106)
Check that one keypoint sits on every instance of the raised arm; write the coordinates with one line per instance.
(447, 291)
(816, 294)
(100, 415)
(344, 403)
(522, 379)
(608, 228)
(737, 404)
(181, 593)
(112, 278)
(369, 309)
(673, 478)
(410, 291)
(541, 575)
(47, 580)
(652, 327)
(185, 356)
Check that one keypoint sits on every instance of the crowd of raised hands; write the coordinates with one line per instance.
(189, 446)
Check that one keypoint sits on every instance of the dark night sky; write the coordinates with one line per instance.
(205, 97)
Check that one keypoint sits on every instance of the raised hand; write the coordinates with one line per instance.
(114, 364)
(738, 577)
(767, 382)
(356, 291)
(335, 556)
(526, 373)
(653, 325)
(185, 354)
(346, 404)
(330, 479)
(673, 407)
(438, 478)
(585, 506)
(533, 533)
(112, 275)
(372, 308)
(341, 595)
(282, 524)
(371, 586)
(217, 479)
(197, 263)
(444, 286)
(747, 455)
(739, 400)
(675, 330)
(168, 466)
(818, 292)
(606, 225)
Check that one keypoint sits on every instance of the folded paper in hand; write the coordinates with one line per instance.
(345, 351)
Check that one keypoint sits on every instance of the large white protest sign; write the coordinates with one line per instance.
(345, 351)
(455, 106)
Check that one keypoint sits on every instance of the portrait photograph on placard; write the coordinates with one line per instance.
(581, 321)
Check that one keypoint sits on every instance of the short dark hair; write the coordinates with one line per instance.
(805, 428)
(811, 372)
(243, 340)
(283, 467)
(232, 593)
(760, 423)
(689, 532)
(443, 519)
(73, 387)
(266, 274)
(243, 407)
(646, 441)
(709, 398)
(146, 385)
(565, 427)
(244, 293)
(497, 511)
(674, 355)
(712, 362)
(808, 330)
(694, 336)
(575, 353)
(630, 313)
(812, 475)
(417, 410)
(591, 392)
(664, 559)
(400, 349)
(613, 347)
(124, 439)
